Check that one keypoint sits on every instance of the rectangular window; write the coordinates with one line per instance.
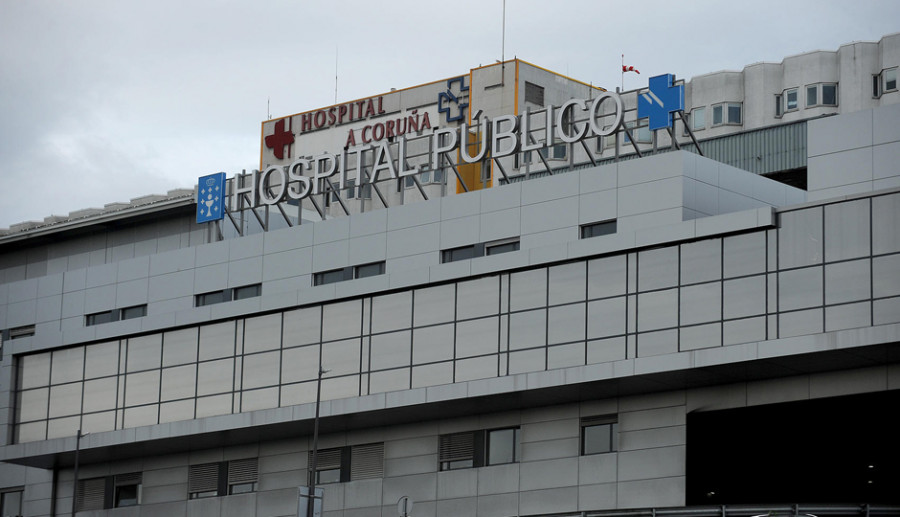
(876, 86)
(503, 446)
(342, 464)
(534, 94)
(599, 434)
(501, 247)
(457, 450)
(209, 298)
(791, 99)
(461, 253)
(11, 503)
(99, 318)
(247, 291)
(138, 311)
(598, 229)
(242, 476)
(116, 491)
(18, 332)
(698, 118)
(223, 478)
(822, 94)
(479, 448)
(367, 270)
(779, 104)
(735, 113)
(329, 277)
(890, 80)
(717, 115)
(812, 98)
(203, 480)
(127, 490)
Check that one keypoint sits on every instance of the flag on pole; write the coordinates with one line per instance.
(629, 69)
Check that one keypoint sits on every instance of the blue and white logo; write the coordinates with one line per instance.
(445, 99)
(661, 102)
(211, 197)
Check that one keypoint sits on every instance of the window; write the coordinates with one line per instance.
(727, 113)
(248, 291)
(98, 318)
(639, 131)
(554, 152)
(822, 94)
(329, 277)
(242, 476)
(479, 448)
(11, 503)
(779, 105)
(534, 94)
(342, 464)
(227, 295)
(791, 99)
(501, 247)
(598, 229)
(698, 118)
(461, 253)
(599, 434)
(138, 311)
(223, 478)
(127, 490)
(890, 80)
(367, 270)
(116, 491)
(503, 446)
(18, 332)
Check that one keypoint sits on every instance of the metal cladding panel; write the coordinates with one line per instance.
(772, 149)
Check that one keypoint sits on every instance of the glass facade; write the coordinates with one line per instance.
(824, 268)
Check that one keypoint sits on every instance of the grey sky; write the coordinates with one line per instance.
(107, 100)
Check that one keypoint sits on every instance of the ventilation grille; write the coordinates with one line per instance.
(367, 461)
(457, 447)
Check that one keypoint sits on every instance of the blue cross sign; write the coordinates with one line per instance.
(661, 101)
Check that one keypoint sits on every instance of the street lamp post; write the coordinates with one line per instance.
(310, 502)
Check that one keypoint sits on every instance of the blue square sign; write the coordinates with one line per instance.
(211, 198)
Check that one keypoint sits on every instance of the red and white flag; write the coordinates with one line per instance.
(629, 69)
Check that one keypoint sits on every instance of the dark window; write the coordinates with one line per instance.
(366, 270)
(791, 99)
(502, 247)
(829, 94)
(128, 313)
(108, 492)
(461, 253)
(127, 490)
(598, 229)
(779, 104)
(18, 332)
(503, 446)
(342, 464)
(11, 503)
(534, 94)
(210, 298)
(479, 448)
(99, 318)
(227, 477)
(599, 434)
(247, 291)
(457, 450)
(890, 79)
(328, 277)
(242, 476)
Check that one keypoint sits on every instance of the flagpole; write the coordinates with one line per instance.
(623, 72)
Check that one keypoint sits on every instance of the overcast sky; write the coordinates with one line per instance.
(106, 100)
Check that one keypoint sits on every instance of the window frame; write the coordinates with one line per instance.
(701, 110)
(819, 95)
(795, 92)
(889, 74)
(598, 229)
(610, 422)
